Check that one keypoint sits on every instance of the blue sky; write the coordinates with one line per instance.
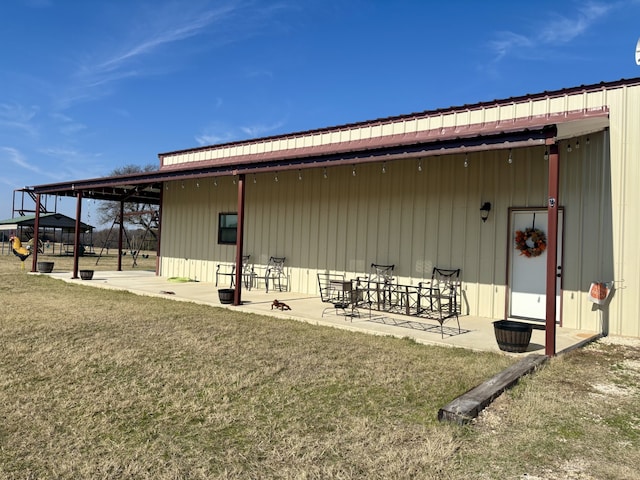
(90, 86)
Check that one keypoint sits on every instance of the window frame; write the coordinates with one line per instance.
(224, 230)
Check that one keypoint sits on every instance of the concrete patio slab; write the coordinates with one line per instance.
(476, 332)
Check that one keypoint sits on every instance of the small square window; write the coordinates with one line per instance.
(227, 228)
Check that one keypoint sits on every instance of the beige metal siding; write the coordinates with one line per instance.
(415, 220)
(420, 219)
(625, 154)
(343, 223)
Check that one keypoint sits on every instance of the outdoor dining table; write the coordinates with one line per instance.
(389, 297)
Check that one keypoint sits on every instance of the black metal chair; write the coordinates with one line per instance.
(275, 272)
(341, 294)
(380, 286)
(439, 297)
(229, 270)
(248, 273)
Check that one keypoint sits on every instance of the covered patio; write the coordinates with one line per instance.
(410, 191)
(476, 332)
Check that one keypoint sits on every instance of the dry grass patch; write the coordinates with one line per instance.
(578, 418)
(104, 384)
(101, 383)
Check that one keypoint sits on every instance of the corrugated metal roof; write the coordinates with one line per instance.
(146, 188)
(46, 220)
(425, 113)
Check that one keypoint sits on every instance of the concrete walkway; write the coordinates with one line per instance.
(477, 332)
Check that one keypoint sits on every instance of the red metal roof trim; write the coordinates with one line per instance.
(419, 115)
(387, 141)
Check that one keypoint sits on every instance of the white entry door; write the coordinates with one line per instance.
(528, 275)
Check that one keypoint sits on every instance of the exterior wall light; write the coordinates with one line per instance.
(484, 211)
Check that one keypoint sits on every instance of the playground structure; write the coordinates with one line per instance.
(134, 246)
(55, 230)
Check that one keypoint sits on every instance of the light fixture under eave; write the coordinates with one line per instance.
(215, 182)
(353, 171)
(384, 167)
(546, 155)
(569, 147)
(324, 173)
(275, 179)
(299, 174)
(484, 211)
(510, 159)
(419, 165)
(466, 161)
(254, 178)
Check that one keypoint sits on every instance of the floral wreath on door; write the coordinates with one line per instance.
(531, 242)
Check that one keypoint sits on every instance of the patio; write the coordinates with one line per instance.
(476, 332)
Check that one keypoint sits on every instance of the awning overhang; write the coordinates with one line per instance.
(146, 188)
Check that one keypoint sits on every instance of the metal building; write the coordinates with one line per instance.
(407, 191)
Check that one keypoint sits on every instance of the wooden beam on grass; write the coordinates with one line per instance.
(467, 406)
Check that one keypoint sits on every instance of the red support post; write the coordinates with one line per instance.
(120, 233)
(76, 239)
(36, 235)
(237, 295)
(553, 206)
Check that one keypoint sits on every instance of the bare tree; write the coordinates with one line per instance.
(135, 214)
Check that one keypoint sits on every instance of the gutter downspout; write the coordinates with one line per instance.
(552, 250)
(237, 295)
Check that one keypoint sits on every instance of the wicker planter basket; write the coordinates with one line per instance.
(512, 336)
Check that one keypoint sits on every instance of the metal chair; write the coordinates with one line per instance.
(275, 272)
(440, 295)
(380, 283)
(229, 270)
(248, 273)
(341, 294)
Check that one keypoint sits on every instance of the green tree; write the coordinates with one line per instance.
(141, 215)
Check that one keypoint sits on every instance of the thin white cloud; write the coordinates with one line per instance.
(564, 29)
(557, 30)
(16, 157)
(72, 163)
(155, 32)
(217, 134)
(261, 130)
(66, 125)
(213, 138)
(174, 33)
(18, 117)
(507, 42)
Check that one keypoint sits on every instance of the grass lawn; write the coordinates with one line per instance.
(104, 384)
